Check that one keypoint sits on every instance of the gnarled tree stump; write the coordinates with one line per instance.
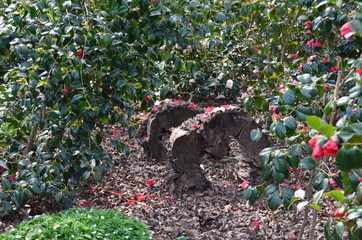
(156, 128)
(211, 133)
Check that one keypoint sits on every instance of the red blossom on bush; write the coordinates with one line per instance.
(317, 152)
(273, 108)
(317, 44)
(274, 116)
(346, 30)
(193, 105)
(115, 132)
(11, 178)
(147, 99)
(339, 212)
(79, 53)
(332, 182)
(66, 90)
(326, 88)
(310, 43)
(335, 69)
(325, 60)
(257, 48)
(312, 142)
(330, 148)
(150, 182)
(177, 102)
(294, 56)
(359, 71)
(309, 32)
(354, 110)
(308, 24)
(256, 224)
(2, 169)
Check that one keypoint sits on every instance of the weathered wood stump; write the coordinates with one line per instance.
(156, 128)
(211, 133)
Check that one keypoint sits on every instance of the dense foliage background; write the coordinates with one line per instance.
(70, 67)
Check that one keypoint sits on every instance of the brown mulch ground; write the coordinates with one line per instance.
(219, 213)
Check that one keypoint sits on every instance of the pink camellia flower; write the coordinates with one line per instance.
(147, 99)
(177, 46)
(330, 148)
(274, 116)
(317, 152)
(11, 178)
(188, 47)
(309, 60)
(153, 1)
(192, 81)
(309, 32)
(257, 48)
(308, 24)
(196, 126)
(273, 108)
(332, 182)
(177, 102)
(300, 68)
(226, 106)
(294, 56)
(256, 224)
(310, 43)
(245, 185)
(354, 110)
(305, 129)
(235, 208)
(152, 195)
(335, 69)
(325, 60)
(193, 105)
(150, 182)
(359, 71)
(295, 82)
(281, 90)
(360, 179)
(229, 84)
(209, 109)
(291, 236)
(346, 30)
(317, 44)
(66, 90)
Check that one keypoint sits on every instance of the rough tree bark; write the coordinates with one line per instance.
(211, 133)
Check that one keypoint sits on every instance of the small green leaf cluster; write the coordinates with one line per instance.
(78, 223)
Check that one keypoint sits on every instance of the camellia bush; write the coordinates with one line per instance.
(71, 67)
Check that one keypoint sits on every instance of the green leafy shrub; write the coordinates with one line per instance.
(77, 223)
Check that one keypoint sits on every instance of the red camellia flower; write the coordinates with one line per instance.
(153, 1)
(346, 30)
(294, 56)
(325, 60)
(130, 202)
(141, 198)
(335, 69)
(291, 236)
(226, 106)
(196, 126)
(310, 43)
(274, 116)
(330, 148)
(209, 109)
(150, 182)
(257, 48)
(193, 105)
(317, 151)
(204, 116)
(339, 212)
(309, 32)
(11, 178)
(245, 185)
(326, 88)
(256, 224)
(308, 24)
(115, 132)
(2, 169)
(317, 44)
(147, 99)
(80, 53)
(332, 182)
(359, 71)
(66, 90)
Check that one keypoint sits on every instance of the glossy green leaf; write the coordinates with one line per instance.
(314, 122)
(280, 130)
(274, 201)
(289, 97)
(308, 163)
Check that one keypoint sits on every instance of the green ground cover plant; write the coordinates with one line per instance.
(78, 223)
